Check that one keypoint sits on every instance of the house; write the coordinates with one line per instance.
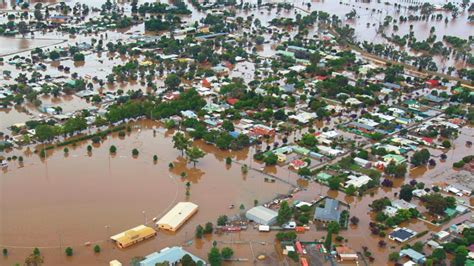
(353, 102)
(188, 114)
(329, 151)
(401, 234)
(441, 235)
(402, 204)
(177, 216)
(297, 164)
(397, 159)
(261, 215)
(262, 130)
(133, 236)
(357, 181)
(303, 117)
(171, 255)
(361, 127)
(362, 162)
(330, 212)
(346, 253)
(413, 255)
(323, 177)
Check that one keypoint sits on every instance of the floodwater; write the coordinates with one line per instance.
(78, 198)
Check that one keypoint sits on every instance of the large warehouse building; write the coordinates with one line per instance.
(177, 216)
(262, 215)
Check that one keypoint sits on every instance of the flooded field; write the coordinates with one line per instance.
(78, 198)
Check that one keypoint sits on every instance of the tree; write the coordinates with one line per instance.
(439, 254)
(181, 142)
(194, 154)
(305, 172)
(222, 220)
(420, 157)
(354, 220)
(284, 213)
(54, 55)
(135, 152)
(208, 228)
(460, 255)
(436, 203)
(97, 249)
(227, 253)
(270, 159)
(187, 260)
(113, 149)
(5, 252)
(78, 57)
(333, 227)
(228, 125)
(44, 132)
(334, 183)
(214, 257)
(172, 81)
(406, 193)
(350, 190)
(68, 251)
(394, 256)
(446, 144)
(199, 231)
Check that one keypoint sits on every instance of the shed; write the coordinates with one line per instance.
(262, 215)
(413, 255)
(177, 216)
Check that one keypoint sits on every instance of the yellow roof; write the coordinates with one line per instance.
(133, 234)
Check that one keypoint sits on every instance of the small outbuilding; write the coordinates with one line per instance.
(262, 215)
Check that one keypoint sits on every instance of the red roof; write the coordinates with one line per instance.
(432, 82)
(427, 140)
(304, 262)
(299, 248)
(232, 101)
(298, 163)
(321, 77)
(206, 83)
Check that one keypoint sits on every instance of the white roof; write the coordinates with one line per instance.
(180, 212)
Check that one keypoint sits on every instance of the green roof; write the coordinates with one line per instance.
(323, 176)
(395, 157)
(450, 212)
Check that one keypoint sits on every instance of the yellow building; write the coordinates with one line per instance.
(177, 216)
(133, 236)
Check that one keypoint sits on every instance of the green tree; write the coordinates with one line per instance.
(227, 253)
(187, 260)
(172, 81)
(271, 159)
(284, 213)
(333, 227)
(69, 252)
(97, 249)
(406, 193)
(194, 154)
(439, 254)
(112, 149)
(135, 152)
(222, 220)
(199, 231)
(214, 257)
(350, 190)
(181, 142)
(394, 256)
(44, 132)
(334, 183)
